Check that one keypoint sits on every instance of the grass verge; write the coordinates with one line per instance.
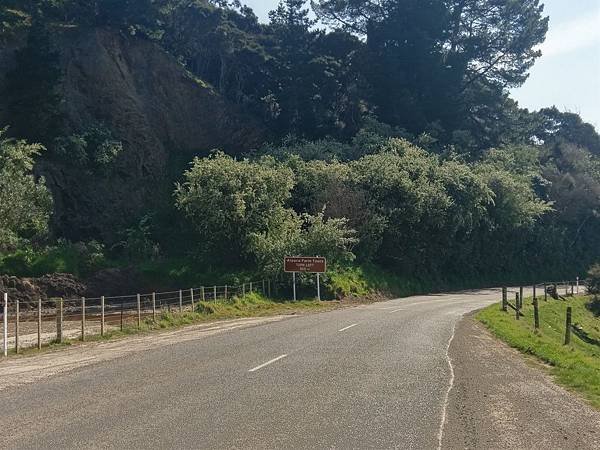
(252, 305)
(575, 366)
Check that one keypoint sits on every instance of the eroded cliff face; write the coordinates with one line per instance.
(160, 112)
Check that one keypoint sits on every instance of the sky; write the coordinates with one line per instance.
(568, 73)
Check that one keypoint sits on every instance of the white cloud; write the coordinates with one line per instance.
(573, 35)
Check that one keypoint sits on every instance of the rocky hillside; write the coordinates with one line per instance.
(162, 115)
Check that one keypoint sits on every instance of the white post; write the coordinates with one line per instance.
(5, 316)
(294, 282)
(577, 285)
(318, 288)
(180, 301)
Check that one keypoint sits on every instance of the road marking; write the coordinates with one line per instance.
(267, 363)
(348, 327)
(396, 310)
(450, 386)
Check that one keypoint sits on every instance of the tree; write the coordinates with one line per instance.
(228, 200)
(32, 88)
(25, 202)
(556, 126)
(428, 62)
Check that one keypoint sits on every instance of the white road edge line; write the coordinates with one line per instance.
(450, 386)
(348, 327)
(267, 363)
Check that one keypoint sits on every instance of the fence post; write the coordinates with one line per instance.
(545, 292)
(225, 292)
(521, 297)
(122, 305)
(243, 289)
(5, 325)
(517, 306)
(154, 306)
(269, 288)
(139, 311)
(504, 300)
(572, 287)
(102, 315)
(536, 313)
(82, 319)
(566, 288)
(180, 301)
(59, 320)
(577, 292)
(39, 324)
(17, 326)
(202, 292)
(568, 327)
(192, 297)
(534, 291)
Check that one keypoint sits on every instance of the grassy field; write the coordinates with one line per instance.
(576, 366)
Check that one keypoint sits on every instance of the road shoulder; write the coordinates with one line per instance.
(502, 400)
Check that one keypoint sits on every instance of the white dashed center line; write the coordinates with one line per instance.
(267, 363)
(348, 327)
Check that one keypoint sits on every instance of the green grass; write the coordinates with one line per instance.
(252, 305)
(576, 366)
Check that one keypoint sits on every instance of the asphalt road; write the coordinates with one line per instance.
(373, 376)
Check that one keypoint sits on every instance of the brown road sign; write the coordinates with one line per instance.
(304, 264)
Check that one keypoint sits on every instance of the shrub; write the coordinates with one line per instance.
(594, 280)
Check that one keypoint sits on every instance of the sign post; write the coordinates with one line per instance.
(306, 264)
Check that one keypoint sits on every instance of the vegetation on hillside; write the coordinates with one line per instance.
(392, 143)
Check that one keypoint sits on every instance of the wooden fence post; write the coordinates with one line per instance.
(59, 320)
(122, 307)
(534, 291)
(202, 293)
(83, 318)
(504, 300)
(17, 313)
(536, 313)
(521, 297)
(139, 311)
(517, 306)
(225, 292)
(545, 292)
(192, 297)
(568, 326)
(102, 315)
(39, 324)
(180, 301)
(215, 293)
(154, 306)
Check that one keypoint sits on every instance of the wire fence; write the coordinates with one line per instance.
(36, 322)
(554, 290)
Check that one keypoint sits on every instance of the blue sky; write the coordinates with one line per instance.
(568, 73)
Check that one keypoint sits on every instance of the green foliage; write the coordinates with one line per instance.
(576, 365)
(95, 149)
(593, 285)
(238, 209)
(228, 200)
(25, 202)
(80, 259)
(32, 87)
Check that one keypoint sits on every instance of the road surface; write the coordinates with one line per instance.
(373, 376)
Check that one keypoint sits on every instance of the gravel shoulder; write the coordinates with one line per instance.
(501, 399)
